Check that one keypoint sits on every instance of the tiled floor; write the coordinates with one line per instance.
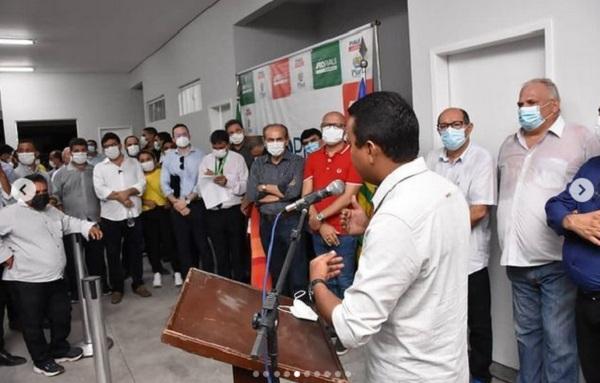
(138, 354)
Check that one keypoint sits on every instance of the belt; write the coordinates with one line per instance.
(590, 295)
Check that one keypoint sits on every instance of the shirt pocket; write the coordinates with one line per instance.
(550, 173)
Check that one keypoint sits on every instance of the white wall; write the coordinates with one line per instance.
(205, 50)
(94, 100)
(576, 39)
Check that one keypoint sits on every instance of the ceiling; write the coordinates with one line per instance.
(88, 36)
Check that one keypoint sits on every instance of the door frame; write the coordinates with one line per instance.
(439, 59)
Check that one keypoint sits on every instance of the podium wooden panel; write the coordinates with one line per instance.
(213, 316)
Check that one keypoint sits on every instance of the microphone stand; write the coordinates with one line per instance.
(267, 319)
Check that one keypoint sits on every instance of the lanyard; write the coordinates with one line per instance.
(219, 165)
(393, 187)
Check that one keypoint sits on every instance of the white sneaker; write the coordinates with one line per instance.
(178, 281)
(157, 282)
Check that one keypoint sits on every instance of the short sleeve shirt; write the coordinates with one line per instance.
(323, 169)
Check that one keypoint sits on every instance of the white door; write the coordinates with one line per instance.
(486, 82)
(121, 131)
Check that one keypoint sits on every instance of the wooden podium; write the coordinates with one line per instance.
(213, 318)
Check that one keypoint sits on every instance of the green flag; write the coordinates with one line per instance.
(247, 89)
(326, 65)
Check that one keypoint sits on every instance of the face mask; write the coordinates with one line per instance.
(79, 158)
(91, 149)
(275, 148)
(333, 135)
(219, 153)
(40, 201)
(530, 117)
(133, 150)
(182, 141)
(26, 158)
(52, 164)
(311, 147)
(169, 151)
(148, 166)
(236, 138)
(112, 152)
(300, 309)
(156, 145)
(453, 138)
(143, 141)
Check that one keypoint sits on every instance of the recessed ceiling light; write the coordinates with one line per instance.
(16, 69)
(5, 41)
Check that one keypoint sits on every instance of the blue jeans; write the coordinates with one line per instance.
(544, 314)
(347, 250)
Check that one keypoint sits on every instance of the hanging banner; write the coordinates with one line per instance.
(298, 89)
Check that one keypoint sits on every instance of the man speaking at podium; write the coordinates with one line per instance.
(408, 302)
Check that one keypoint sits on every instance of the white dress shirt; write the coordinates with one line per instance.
(528, 178)
(474, 172)
(236, 172)
(108, 178)
(35, 239)
(408, 302)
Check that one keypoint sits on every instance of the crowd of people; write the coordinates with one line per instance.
(422, 279)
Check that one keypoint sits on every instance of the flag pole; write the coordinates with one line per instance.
(376, 25)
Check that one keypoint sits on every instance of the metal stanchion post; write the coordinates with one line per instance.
(77, 246)
(93, 292)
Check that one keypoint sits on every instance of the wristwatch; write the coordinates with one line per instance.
(311, 286)
(319, 217)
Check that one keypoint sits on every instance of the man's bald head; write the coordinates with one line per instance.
(454, 114)
(333, 118)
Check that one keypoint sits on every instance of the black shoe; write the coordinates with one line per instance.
(49, 368)
(74, 353)
(339, 347)
(7, 359)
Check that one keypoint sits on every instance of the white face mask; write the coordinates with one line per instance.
(236, 138)
(169, 151)
(112, 152)
(333, 135)
(26, 159)
(91, 149)
(300, 309)
(143, 141)
(52, 164)
(156, 145)
(79, 158)
(148, 166)
(220, 153)
(182, 141)
(275, 148)
(133, 150)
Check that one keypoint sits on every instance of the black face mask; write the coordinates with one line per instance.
(40, 201)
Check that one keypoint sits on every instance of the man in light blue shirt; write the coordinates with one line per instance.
(178, 180)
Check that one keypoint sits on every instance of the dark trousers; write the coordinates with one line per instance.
(297, 278)
(156, 224)
(480, 325)
(36, 302)
(94, 261)
(225, 229)
(191, 240)
(587, 320)
(117, 234)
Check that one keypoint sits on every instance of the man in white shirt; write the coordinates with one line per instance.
(535, 164)
(31, 247)
(224, 174)
(119, 182)
(472, 169)
(408, 302)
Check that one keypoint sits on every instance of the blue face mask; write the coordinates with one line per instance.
(311, 147)
(530, 117)
(453, 138)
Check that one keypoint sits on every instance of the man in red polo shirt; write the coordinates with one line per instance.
(331, 162)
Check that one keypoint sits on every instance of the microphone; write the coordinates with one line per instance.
(336, 187)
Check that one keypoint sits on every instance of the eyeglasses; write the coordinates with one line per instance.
(454, 125)
(181, 163)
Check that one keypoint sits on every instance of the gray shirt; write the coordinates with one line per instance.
(35, 240)
(287, 175)
(74, 188)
